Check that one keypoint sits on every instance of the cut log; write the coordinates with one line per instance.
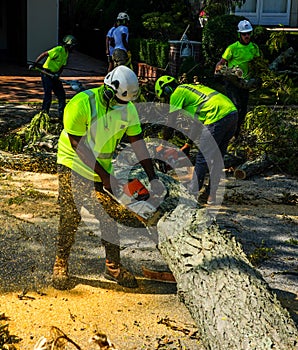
(283, 59)
(252, 167)
(231, 160)
(227, 298)
(37, 162)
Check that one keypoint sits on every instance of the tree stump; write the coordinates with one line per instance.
(227, 298)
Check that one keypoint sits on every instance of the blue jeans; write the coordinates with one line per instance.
(240, 99)
(209, 156)
(53, 85)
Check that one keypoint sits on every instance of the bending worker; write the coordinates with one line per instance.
(55, 60)
(219, 117)
(94, 122)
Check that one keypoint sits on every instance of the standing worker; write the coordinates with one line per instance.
(56, 60)
(110, 46)
(240, 54)
(121, 54)
(95, 121)
(219, 117)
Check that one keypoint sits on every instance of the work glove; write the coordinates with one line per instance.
(32, 66)
(56, 76)
(158, 192)
(111, 184)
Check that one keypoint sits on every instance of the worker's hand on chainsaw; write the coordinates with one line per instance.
(158, 191)
(110, 183)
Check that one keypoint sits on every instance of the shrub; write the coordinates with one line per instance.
(274, 131)
(218, 33)
(154, 52)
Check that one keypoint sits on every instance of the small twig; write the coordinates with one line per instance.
(66, 338)
(24, 296)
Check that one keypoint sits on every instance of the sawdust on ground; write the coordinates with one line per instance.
(151, 316)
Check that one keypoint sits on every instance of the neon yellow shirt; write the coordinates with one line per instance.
(85, 115)
(240, 55)
(201, 102)
(57, 58)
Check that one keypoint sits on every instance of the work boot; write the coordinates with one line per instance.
(203, 194)
(118, 273)
(60, 278)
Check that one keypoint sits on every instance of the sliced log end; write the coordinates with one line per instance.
(240, 174)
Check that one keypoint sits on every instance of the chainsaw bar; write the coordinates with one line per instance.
(142, 209)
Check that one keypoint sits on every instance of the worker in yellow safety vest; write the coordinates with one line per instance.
(216, 121)
(95, 120)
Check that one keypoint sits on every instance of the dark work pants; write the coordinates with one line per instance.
(76, 192)
(209, 156)
(53, 85)
(240, 99)
(119, 57)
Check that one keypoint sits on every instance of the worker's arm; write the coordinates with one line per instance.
(41, 56)
(167, 132)
(88, 158)
(138, 144)
(141, 151)
(107, 46)
(220, 63)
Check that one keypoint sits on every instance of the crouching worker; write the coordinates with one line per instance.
(94, 122)
(218, 117)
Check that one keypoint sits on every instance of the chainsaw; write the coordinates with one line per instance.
(169, 158)
(76, 85)
(135, 197)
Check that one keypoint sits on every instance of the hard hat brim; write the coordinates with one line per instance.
(245, 31)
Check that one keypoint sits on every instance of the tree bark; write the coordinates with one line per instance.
(283, 59)
(226, 296)
(253, 167)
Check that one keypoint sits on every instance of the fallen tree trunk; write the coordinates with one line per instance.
(226, 296)
(252, 167)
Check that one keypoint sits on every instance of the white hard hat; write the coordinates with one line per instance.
(244, 27)
(123, 15)
(124, 82)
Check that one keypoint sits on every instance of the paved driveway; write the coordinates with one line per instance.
(19, 85)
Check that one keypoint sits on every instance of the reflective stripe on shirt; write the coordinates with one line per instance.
(205, 97)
